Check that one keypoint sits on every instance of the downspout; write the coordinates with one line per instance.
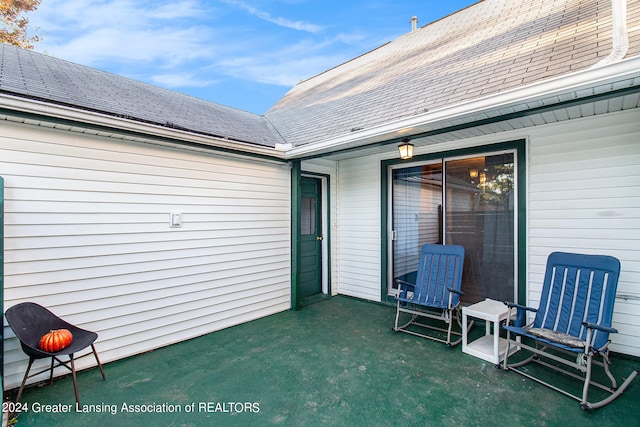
(619, 34)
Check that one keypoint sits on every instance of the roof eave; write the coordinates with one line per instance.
(584, 83)
(124, 128)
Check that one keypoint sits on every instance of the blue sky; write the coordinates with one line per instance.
(240, 53)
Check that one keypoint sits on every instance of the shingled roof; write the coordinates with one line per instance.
(29, 74)
(489, 47)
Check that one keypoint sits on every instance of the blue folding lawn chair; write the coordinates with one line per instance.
(436, 293)
(570, 331)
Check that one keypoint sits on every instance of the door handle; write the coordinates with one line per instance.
(319, 238)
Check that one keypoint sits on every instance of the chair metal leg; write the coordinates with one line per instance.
(95, 353)
(75, 380)
(613, 396)
(24, 380)
(70, 365)
(449, 328)
(587, 382)
(51, 370)
(505, 362)
(606, 362)
(395, 327)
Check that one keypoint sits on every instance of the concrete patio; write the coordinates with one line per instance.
(335, 362)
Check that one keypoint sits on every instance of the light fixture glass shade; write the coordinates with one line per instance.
(406, 150)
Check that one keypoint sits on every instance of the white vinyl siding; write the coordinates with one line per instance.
(359, 222)
(584, 196)
(87, 234)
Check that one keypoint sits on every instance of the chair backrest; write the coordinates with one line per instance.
(440, 268)
(30, 321)
(578, 288)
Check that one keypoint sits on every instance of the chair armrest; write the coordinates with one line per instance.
(600, 328)
(408, 285)
(402, 293)
(520, 312)
(451, 292)
(520, 307)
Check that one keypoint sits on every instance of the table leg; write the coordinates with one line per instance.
(496, 342)
(464, 329)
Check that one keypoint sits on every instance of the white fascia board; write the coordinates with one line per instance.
(60, 112)
(585, 81)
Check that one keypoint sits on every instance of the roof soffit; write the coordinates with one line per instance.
(615, 81)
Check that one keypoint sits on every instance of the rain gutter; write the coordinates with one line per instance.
(89, 122)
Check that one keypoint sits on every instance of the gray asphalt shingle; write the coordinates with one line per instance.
(492, 46)
(30, 74)
(487, 48)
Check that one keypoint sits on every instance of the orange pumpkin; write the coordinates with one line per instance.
(55, 340)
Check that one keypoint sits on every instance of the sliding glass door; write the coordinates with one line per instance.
(417, 215)
(466, 201)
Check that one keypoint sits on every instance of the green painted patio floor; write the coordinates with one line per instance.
(335, 362)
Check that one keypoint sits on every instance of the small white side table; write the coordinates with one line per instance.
(489, 347)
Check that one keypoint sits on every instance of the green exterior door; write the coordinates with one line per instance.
(311, 237)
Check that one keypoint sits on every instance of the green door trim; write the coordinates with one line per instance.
(520, 147)
(296, 221)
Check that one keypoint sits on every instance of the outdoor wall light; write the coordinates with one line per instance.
(405, 149)
(473, 173)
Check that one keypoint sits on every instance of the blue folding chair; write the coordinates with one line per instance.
(570, 331)
(436, 293)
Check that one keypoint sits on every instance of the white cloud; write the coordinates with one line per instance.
(280, 21)
(181, 80)
(122, 30)
(287, 65)
(136, 46)
(189, 43)
(176, 10)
